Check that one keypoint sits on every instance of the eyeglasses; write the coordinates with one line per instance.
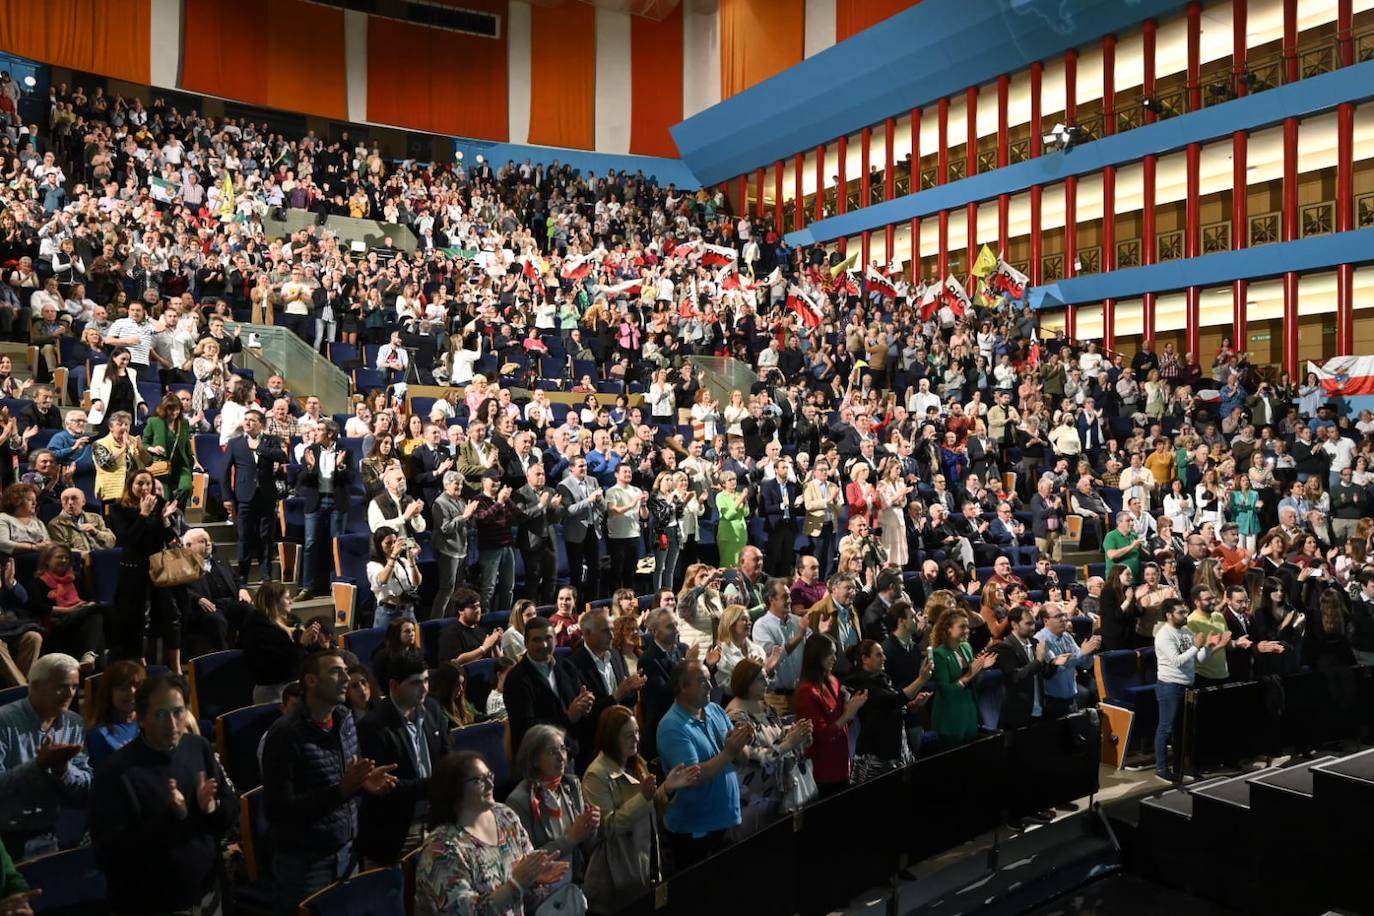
(487, 778)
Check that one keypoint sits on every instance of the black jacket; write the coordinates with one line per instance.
(426, 480)
(658, 694)
(154, 861)
(881, 719)
(308, 480)
(248, 475)
(531, 701)
(383, 821)
(302, 770)
(1021, 673)
(582, 662)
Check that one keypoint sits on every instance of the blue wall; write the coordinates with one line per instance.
(1316, 253)
(1253, 112)
(668, 171)
(935, 49)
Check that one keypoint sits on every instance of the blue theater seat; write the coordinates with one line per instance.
(220, 682)
(489, 740)
(237, 734)
(377, 892)
(71, 881)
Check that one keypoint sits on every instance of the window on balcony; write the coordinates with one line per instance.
(1169, 246)
(1264, 229)
(1216, 237)
(1318, 218)
(1128, 253)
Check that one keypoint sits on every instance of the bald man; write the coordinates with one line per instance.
(79, 530)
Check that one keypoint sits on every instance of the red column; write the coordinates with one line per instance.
(942, 140)
(798, 204)
(915, 150)
(820, 183)
(1192, 244)
(842, 176)
(1290, 232)
(777, 196)
(1240, 232)
(1345, 221)
(1109, 83)
(943, 241)
(1147, 53)
(1345, 39)
(1147, 242)
(865, 248)
(866, 173)
(1109, 252)
(758, 199)
(1070, 247)
(1003, 159)
(1239, 44)
(1290, 41)
(890, 180)
(916, 274)
(1071, 86)
(1036, 77)
(742, 208)
(1036, 244)
(1194, 56)
(971, 169)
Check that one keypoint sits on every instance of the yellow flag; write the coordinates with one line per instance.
(986, 263)
(846, 264)
(226, 205)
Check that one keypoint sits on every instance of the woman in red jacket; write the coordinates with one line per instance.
(820, 700)
(861, 495)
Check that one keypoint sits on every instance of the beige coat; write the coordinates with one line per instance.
(624, 863)
(818, 511)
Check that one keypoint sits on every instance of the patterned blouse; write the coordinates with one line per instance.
(458, 873)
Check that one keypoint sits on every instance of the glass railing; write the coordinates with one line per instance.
(721, 375)
(269, 348)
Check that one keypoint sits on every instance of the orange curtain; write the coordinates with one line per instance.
(563, 75)
(439, 81)
(295, 63)
(106, 37)
(759, 38)
(853, 16)
(655, 83)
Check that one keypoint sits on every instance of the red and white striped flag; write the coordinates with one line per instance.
(629, 287)
(1009, 280)
(800, 302)
(877, 283)
(1345, 375)
(576, 268)
(686, 249)
(929, 300)
(953, 295)
(717, 255)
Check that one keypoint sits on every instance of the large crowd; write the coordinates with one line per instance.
(703, 608)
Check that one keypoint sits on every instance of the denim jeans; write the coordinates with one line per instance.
(665, 560)
(311, 574)
(1170, 699)
(385, 613)
(300, 874)
(498, 578)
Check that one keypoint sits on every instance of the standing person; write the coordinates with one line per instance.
(407, 730)
(451, 516)
(604, 674)
(1123, 546)
(626, 507)
(549, 801)
(167, 437)
(823, 499)
(821, 702)
(893, 492)
(955, 713)
(538, 508)
(732, 533)
(1209, 620)
(250, 491)
(781, 630)
(326, 476)
(585, 504)
(781, 503)
(542, 689)
(495, 520)
(313, 775)
(43, 764)
(667, 504)
(159, 809)
(115, 456)
(142, 523)
(1119, 610)
(1063, 658)
(1047, 519)
(393, 571)
(1177, 652)
(1022, 672)
(697, 733)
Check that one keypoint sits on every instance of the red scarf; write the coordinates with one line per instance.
(537, 807)
(63, 588)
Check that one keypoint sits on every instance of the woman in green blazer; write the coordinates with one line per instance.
(954, 715)
(167, 436)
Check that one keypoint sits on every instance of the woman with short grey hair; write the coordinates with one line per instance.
(549, 800)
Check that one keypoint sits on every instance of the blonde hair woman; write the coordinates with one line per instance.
(736, 646)
(734, 414)
(733, 531)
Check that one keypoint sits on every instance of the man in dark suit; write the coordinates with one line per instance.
(326, 472)
(537, 508)
(585, 512)
(216, 602)
(250, 491)
(780, 501)
(661, 656)
(428, 464)
(541, 689)
(1023, 701)
(603, 673)
(1006, 532)
(408, 729)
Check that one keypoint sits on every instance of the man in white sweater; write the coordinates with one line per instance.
(1177, 653)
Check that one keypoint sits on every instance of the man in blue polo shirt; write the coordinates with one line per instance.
(698, 732)
(1062, 657)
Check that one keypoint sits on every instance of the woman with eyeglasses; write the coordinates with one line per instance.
(548, 799)
(478, 857)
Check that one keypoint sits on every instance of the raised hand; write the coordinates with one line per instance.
(856, 702)
(738, 737)
(207, 794)
(681, 777)
(175, 800)
(55, 757)
(585, 824)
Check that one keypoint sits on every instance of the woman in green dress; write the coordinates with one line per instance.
(954, 715)
(167, 437)
(733, 532)
(1245, 506)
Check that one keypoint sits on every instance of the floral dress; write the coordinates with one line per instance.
(761, 768)
(458, 873)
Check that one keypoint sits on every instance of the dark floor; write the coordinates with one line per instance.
(1126, 895)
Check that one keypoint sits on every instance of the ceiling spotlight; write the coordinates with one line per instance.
(30, 82)
(1151, 104)
(480, 159)
(458, 155)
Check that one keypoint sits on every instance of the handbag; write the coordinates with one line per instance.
(799, 786)
(160, 468)
(172, 567)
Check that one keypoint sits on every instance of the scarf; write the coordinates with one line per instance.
(63, 588)
(544, 797)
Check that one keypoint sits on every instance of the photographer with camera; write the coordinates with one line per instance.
(394, 574)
